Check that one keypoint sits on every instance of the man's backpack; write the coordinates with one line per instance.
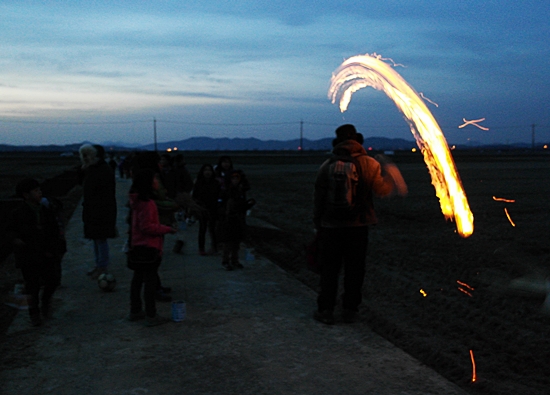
(346, 199)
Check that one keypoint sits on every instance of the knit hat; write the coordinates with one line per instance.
(26, 185)
(346, 132)
(100, 151)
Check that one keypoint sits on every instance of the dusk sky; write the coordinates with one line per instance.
(101, 71)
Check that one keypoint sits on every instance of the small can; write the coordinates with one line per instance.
(178, 311)
(249, 256)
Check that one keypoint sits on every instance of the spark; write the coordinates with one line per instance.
(474, 123)
(474, 376)
(508, 216)
(379, 57)
(464, 291)
(465, 285)
(369, 70)
(423, 293)
(503, 200)
(428, 100)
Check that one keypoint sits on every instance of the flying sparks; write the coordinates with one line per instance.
(503, 200)
(428, 100)
(369, 70)
(508, 216)
(474, 123)
(474, 375)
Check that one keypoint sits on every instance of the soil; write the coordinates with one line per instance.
(441, 298)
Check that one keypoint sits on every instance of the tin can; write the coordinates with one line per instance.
(179, 311)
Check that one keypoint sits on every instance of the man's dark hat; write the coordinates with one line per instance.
(346, 131)
(26, 185)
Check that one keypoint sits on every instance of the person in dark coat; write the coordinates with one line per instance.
(233, 207)
(99, 207)
(206, 193)
(39, 246)
(343, 236)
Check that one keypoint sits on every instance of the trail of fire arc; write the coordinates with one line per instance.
(367, 70)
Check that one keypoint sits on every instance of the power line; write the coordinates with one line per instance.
(387, 127)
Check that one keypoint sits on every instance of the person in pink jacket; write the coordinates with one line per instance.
(146, 242)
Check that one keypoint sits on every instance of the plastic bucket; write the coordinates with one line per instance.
(179, 311)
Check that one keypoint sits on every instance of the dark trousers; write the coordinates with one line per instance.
(146, 276)
(207, 223)
(35, 277)
(339, 247)
(231, 251)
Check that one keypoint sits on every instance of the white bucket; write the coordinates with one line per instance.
(179, 311)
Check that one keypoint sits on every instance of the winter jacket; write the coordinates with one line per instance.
(206, 193)
(146, 230)
(99, 208)
(375, 184)
(38, 228)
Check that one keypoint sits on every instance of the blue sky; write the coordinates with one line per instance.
(72, 71)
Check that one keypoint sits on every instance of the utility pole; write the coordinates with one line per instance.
(301, 135)
(155, 132)
(533, 137)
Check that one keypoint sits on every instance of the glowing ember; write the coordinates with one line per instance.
(474, 376)
(464, 291)
(508, 216)
(473, 122)
(369, 70)
(503, 200)
(428, 100)
(465, 285)
(423, 293)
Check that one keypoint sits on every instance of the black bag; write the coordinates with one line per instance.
(139, 257)
(346, 197)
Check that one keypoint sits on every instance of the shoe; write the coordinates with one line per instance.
(227, 266)
(96, 272)
(46, 312)
(237, 265)
(156, 320)
(349, 316)
(325, 316)
(136, 316)
(161, 296)
(36, 320)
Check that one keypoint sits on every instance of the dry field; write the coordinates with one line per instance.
(412, 249)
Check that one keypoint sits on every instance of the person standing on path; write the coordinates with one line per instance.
(39, 246)
(343, 231)
(207, 193)
(146, 240)
(99, 207)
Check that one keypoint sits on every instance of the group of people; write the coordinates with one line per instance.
(163, 186)
(217, 198)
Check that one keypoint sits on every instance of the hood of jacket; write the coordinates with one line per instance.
(349, 147)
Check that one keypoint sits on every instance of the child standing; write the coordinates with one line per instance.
(206, 193)
(233, 220)
(146, 241)
(39, 246)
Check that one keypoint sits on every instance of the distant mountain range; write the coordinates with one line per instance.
(242, 144)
